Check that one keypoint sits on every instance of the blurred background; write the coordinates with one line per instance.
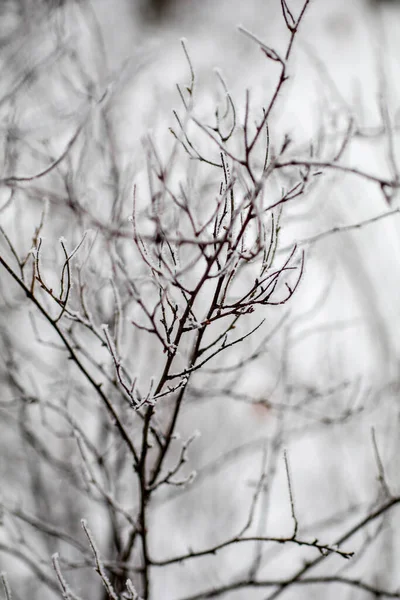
(341, 351)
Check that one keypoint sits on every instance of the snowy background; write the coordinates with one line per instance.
(331, 373)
